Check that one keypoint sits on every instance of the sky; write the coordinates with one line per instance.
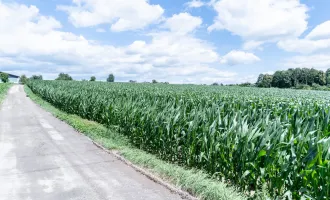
(177, 41)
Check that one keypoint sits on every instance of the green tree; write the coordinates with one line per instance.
(277, 77)
(286, 80)
(111, 78)
(4, 77)
(154, 81)
(259, 81)
(264, 80)
(327, 76)
(282, 79)
(64, 77)
(23, 79)
(320, 78)
(93, 78)
(36, 77)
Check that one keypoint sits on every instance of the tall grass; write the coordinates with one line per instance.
(3, 90)
(254, 138)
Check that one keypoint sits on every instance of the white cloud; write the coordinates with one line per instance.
(322, 31)
(239, 57)
(195, 4)
(318, 39)
(34, 44)
(183, 23)
(304, 45)
(318, 61)
(261, 20)
(122, 15)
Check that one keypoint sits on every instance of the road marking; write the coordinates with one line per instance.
(55, 135)
(45, 124)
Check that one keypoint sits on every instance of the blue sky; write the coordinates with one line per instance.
(179, 41)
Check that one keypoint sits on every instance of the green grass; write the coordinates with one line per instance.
(196, 182)
(4, 87)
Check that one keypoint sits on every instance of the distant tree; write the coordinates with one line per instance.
(306, 77)
(23, 79)
(327, 77)
(36, 77)
(132, 81)
(166, 83)
(93, 78)
(260, 79)
(64, 77)
(246, 84)
(264, 80)
(297, 78)
(111, 78)
(4, 77)
(215, 84)
(154, 81)
(320, 78)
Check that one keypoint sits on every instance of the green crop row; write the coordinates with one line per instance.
(251, 137)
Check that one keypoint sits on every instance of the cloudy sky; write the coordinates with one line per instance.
(225, 41)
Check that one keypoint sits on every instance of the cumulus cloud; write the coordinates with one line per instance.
(318, 61)
(35, 44)
(183, 23)
(322, 31)
(121, 15)
(304, 45)
(318, 39)
(195, 4)
(260, 20)
(239, 57)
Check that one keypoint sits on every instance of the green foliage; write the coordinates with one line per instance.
(3, 90)
(260, 139)
(264, 80)
(111, 78)
(36, 77)
(293, 78)
(154, 81)
(327, 76)
(64, 77)
(4, 77)
(93, 78)
(23, 79)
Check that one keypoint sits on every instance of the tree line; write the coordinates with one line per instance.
(294, 78)
(61, 77)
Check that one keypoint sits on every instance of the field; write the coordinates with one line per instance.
(250, 137)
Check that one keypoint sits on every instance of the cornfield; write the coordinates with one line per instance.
(250, 137)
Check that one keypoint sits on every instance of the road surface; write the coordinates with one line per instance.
(42, 158)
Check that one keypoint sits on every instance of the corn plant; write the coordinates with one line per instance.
(251, 137)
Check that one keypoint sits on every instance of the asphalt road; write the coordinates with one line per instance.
(42, 158)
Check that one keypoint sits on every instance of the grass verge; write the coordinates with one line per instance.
(4, 87)
(196, 182)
